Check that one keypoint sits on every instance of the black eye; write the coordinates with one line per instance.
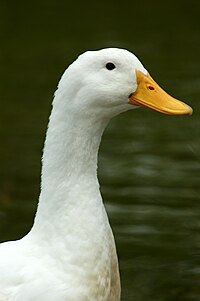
(110, 66)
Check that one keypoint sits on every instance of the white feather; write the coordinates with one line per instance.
(69, 254)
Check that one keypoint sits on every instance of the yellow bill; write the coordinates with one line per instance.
(149, 94)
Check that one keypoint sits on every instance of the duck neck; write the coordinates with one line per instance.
(69, 170)
(71, 222)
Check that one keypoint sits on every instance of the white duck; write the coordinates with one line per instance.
(69, 254)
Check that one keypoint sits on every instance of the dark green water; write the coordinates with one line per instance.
(149, 163)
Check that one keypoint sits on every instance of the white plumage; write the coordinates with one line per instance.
(69, 254)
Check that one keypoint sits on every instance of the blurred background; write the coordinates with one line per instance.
(149, 165)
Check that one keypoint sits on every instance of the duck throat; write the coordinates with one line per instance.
(69, 168)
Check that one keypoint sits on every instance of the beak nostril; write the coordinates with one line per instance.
(151, 88)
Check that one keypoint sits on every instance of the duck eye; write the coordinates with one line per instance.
(110, 66)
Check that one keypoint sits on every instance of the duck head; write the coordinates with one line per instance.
(110, 81)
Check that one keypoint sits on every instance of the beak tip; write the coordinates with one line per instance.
(189, 110)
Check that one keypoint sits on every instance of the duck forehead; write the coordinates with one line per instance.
(118, 56)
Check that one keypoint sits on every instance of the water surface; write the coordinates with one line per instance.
(149, 165)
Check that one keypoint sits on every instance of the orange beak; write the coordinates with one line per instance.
(149, 94)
